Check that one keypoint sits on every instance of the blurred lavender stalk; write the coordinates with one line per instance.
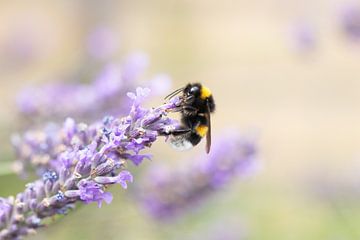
(350, 21)
(170, 193)
(90, 158)
(105, 95)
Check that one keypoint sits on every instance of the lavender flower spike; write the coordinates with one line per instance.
(39, 149)
(169, 193)
(94, 157)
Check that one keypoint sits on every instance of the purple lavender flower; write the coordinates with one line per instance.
(350, 21)
(105, 95)
(87, 160)
(42, 149)
(90, 191)
(169, 193)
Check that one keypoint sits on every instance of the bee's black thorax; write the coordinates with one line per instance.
(197, 99)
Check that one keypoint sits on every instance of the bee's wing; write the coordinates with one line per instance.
(208, 134)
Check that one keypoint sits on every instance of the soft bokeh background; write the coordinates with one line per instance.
(283, 69)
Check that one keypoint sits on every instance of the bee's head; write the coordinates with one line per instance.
(192, 90)
(197, 90)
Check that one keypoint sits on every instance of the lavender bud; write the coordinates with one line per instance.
(105, 168)
(50, 176)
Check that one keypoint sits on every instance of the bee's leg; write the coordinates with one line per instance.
(180, 131)
(190, 108)
(178, 109)
(177, 132)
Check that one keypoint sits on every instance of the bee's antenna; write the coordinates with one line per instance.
(174, 93)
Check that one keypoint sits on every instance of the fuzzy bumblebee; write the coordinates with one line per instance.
(197, 103)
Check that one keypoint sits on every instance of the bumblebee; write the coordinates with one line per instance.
(197, 103)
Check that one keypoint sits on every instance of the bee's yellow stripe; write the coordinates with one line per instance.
(205, 92)
(202, 130)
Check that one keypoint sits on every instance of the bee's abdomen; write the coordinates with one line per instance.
(186, 141)
(194, 138)
(201, 130)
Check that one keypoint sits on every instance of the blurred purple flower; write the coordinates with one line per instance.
(170, 193)
(21, 47)
(132, 65)
(23, 43)
(102, 42)
(350, 21)
(87, 160)
(160, 84)
(105, 95)
(303, 36)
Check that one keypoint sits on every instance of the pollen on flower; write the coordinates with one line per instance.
(60, 196)
(77, 175)
(19, 218)
(19, 203)
(46, 202)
